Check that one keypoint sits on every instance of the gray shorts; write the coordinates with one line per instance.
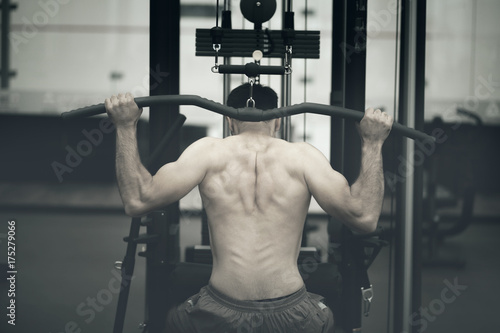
(211, 311)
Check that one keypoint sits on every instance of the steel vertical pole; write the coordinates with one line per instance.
(227, 83)
(404, 228)
(348, 90)
(164, 59)
(419, 170)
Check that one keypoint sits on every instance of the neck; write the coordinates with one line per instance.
(257, 128)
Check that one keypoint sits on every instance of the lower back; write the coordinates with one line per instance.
(252, 274)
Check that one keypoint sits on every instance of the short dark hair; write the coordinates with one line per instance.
(265, 97)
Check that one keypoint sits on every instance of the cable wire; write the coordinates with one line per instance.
(217, 14)
(306, 13)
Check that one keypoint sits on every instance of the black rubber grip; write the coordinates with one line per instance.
(251, 69)
(248, 114)
(148, 101)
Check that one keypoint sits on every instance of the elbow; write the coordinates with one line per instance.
(367, 229)
(359, 222)
(135, 209)
(366, 224)
(363, 219)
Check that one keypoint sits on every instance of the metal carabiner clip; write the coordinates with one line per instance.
(251, 81)
(288, 59)
(367, 295)
(250, 100)
(215, 68)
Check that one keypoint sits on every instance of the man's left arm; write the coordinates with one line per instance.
(369, 186)
(358, 205)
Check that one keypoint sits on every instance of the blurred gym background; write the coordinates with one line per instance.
(70, 221)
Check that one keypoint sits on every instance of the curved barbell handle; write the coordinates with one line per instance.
(247, 114)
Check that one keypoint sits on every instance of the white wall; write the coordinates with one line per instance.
(67, 49)
(463, 58)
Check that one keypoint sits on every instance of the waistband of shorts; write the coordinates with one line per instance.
(258, 306)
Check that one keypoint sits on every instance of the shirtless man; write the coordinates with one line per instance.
(256, 190)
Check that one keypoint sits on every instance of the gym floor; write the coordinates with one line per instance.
(69, 235)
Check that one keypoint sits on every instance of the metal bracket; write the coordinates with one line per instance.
(250, 100)
(215, 68)
(367, 295)
(118, 265)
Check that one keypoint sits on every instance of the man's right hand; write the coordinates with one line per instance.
(122, 110)
(375, 126)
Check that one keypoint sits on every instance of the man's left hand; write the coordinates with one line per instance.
(375, 126)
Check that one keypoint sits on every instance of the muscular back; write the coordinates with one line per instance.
(256, 190)
(256, 199)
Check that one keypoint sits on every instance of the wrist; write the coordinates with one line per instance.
(126, 125)
(124, 131)
(372, 145)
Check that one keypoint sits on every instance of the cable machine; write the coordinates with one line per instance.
(349, 252)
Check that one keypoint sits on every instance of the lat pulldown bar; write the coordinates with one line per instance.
(247, 114)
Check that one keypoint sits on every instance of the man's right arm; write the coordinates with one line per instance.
(140, 191)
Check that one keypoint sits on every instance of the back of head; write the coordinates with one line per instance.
(265, 97)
